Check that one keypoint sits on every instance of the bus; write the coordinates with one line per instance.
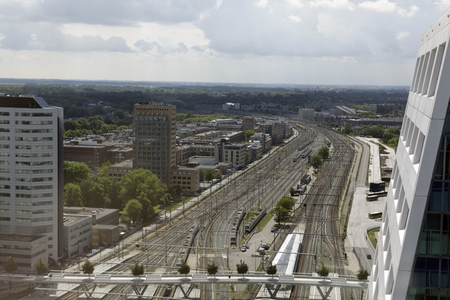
(375, 215)
(379, 194)
(371, 197)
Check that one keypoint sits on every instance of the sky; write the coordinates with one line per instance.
(328, 42)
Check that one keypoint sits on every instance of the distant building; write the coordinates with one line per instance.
(154, 145)
(230, 105)
(90, 153)
(248, 123)
(117, 171)
(306, 114)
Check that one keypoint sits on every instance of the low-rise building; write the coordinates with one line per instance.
(25, 250)
(117, 155)
(117, 171)
(187, 178)
(77, 234)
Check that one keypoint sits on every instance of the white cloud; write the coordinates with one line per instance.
(379, 6)
(404, 13)
(262, 3)
(384, 6)
(295, 3)
(296, 19)
(401, 34)
(333, 4)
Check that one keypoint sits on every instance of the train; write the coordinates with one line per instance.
(302, 127)
(255, 220)
(288, 256)
(306, 152)
(187, 245)
(305, 179)
(236, 224)
(297, 157)
(305, 144)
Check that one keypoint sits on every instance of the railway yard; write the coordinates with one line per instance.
(213, 229)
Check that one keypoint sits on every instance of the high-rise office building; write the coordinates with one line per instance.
(31, 180)
(412, 259)
(154, 145)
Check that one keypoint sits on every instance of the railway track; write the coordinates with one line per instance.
(322, 212)
(163, 249)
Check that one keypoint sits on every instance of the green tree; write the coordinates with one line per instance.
(119, 114)
(137, 269)
(88, 268)
(242, 268)
(248, 134)
(143, 186)
(202, 174)
(75, 171)
(323, 271)
(362, 274)
(324, 152)
(212, 268)
(279, 213)
(387, 136)
(348, 129)
(209, 175)
(247, 157)
(184, 269)
(133, 209)
(104, 168)
(97, 196)
(292, 191)
(10, 265)
(72, 195)
(316, 161)
(286, 202)
(272, 270)
(41, 267)
(219, 175)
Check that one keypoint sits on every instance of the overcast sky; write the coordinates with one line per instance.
(242, 41)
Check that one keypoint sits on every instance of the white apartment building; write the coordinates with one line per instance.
(31, 180)
(412, 259)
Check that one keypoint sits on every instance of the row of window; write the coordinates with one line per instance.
(23, 114)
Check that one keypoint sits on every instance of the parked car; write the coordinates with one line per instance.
(265, 246)
(244, 249)
(246, 246)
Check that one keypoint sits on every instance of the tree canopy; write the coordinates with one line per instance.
(10, 265)
(75, 171)
(137, 269)
(272, 269)
(279, 213)
(316, 161)
(242, 267)
(324, 152)
(72, 195)
(88, 267)
(133, 209)
(184, 269)
(212, 268)
(41, 267)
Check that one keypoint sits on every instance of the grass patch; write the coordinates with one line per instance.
(371, 234)
(264, 221)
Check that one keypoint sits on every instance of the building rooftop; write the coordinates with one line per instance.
(124, 164)
(99, 212)
(23, 102)
(72, 219)
(19, 238)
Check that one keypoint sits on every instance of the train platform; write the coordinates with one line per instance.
(357, 244)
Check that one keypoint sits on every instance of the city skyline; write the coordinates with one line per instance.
(336, 42)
